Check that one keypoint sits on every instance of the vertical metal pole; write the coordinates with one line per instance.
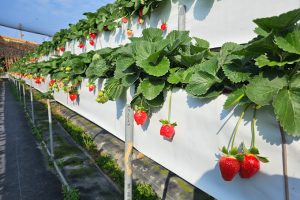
(19, 89)
(50, 127)
(128, 152)
(24, 97)
(181, 17)
(32, 108)
(284, 165)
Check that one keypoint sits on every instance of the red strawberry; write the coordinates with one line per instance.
(38, 80)
(167, 129)
(163, 26)
(249, 166)
(62, 49)
(129, 32)
(140, 117)
(92, 42)
(81, 45)
(140, 20)
(52, 82)
(229, 167)
(91, 87)
(141, 11)
(124, 20)
(73, 96)
(93, 35)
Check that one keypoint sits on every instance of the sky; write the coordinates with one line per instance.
(46, 16)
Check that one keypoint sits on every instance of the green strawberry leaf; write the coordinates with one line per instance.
(262, 88)
(287, 110)
(142, 49)
(113, 88)
(201, 44)
(151, 88)
(160, 69)
(261, 46)
(234, 97)
(97, 68)
(152, 34)
(237, 73)
(210, 66)
(227, 53)
(123, 63)
(129, 79)
(177, 38)
(279, 23)
(200, 83)
(261, 32)
(294, 83)
(289, 43)
(175, 77)
(157, 102)
(263, 60)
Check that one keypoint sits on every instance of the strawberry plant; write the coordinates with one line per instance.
(229, 163)
(247, 161)
(265, 71)
(250, 164)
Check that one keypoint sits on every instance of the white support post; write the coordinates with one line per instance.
(24, 96)
(32, 108)
(181, 17)
(128, 152)
(19, 89)
(50, 128)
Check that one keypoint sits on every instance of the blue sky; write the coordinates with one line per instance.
(46, 16)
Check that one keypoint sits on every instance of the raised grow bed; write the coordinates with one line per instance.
(158, 73)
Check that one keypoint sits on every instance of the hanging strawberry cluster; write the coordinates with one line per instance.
(244, 161)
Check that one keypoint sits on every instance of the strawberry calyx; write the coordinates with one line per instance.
(165, 121)
(233, 152)
(167, 129)
(254, 152)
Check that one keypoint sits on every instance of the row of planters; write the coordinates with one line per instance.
(105, 19)
(261, 75)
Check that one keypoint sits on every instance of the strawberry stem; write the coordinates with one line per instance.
(237, 126)
(253, 122)
(169, 106)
